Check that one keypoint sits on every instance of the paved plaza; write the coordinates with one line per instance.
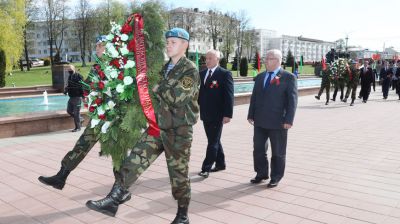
(343, 166)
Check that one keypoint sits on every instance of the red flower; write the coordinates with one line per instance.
(124, 60)
(101, 85)
(276, 81)
(115, 62)
(102, 116)
(126, 28)
(97, 67)
(101, 74)
(131, 45)
(92, 109)
(98, 101)
(85, 93)
(92, 85)
(115, 39)
(121, 76)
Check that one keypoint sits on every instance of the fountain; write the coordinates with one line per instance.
(45, 98)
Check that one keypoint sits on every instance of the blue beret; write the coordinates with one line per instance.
(101, 38)
(177, 32)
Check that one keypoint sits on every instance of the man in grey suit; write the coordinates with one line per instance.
(271, 112)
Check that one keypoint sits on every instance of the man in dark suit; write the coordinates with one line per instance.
(216, 108)
(367, 77)
(272, 109)
(386, 75)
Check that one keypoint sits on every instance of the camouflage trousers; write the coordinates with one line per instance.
(353, 88)
(325, 85)
(82, 147)
(175, 143)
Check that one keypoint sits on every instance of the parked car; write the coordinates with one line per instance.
(37, 62)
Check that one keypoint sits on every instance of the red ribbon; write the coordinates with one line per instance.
(141, 78)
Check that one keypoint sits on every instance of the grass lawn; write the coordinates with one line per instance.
(42, 75)
(38, 76)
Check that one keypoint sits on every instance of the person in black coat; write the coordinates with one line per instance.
(367, 77)
(386, 75)
(272, 108)
(216, 109)
(74, 90)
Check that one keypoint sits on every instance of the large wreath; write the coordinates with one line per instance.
(117, 113)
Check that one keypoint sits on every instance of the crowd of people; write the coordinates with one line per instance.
(181, 94)
(368, 75)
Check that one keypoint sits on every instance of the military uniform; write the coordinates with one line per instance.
(178, 112)
(325, 85)
(338, 83)
(352, 84)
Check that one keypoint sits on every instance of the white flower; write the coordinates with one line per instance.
(130, 64)
(105, 126)
(128, 80)
(113, 73)
(124, 50)
(120, 88)
(100, 111)
(111, 104)
(108, 92)
(93, 93)
(94, 122)
(124, 37)
(110, 37)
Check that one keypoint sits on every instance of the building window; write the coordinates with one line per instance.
(44, 51)
(37, 35)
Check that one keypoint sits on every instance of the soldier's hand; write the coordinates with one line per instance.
(287, 126)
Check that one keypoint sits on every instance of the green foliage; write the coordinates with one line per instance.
(2, 68)
(46, 62)
(12, 17)
(244, 66)
(289, 59)
(255, 64)
(223, 63)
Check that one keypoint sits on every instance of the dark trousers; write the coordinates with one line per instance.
(365, 90)
(337, 86)
(394, 84)
(215, 152)
(278, 139)
(73, 109)
(385, 88)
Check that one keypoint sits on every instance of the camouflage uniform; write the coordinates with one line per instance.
(338, 83)
(352, 84)
(178, 112)
(325, 84)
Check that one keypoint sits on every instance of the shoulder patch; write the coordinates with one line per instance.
(187, 82)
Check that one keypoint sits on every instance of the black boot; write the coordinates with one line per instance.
(181, 216)
(57, 181)
(109, 204)
(352, 102)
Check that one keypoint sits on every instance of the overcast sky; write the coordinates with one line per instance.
(369, 23)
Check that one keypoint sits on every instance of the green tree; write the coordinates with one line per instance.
(2, 68)
(223, 63)
(244, 66)
(255, 64)
(12, 17)
(289, 59)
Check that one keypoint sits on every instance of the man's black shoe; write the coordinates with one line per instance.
(272, 184)
(333, 100)
(76, 129)
(257, 180)
(204, 174)
(317, 97)
(216, 169)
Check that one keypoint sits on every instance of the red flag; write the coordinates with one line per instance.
(258, 62)
(323, 64)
